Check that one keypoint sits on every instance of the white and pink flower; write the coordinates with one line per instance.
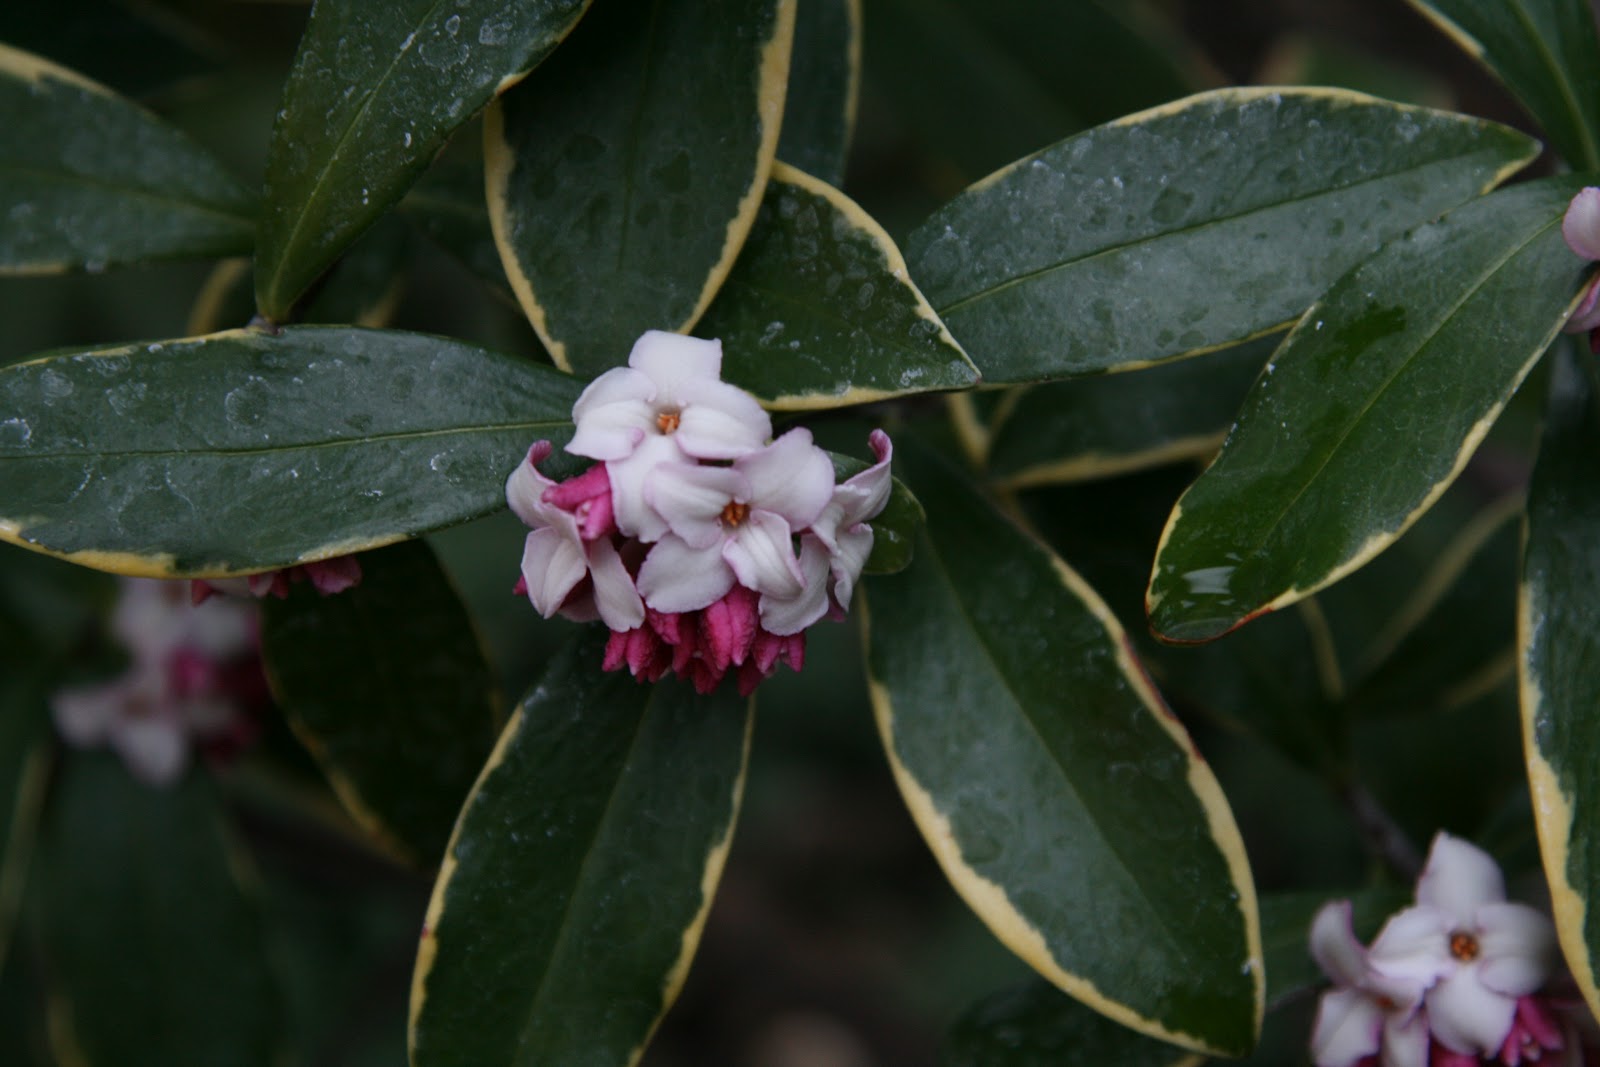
(1458, 979)
(703, 544)
(193, 682)
(1581, 228)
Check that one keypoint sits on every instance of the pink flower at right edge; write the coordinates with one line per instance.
(1581, 228)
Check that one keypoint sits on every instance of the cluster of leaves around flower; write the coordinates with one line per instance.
(1017, 721)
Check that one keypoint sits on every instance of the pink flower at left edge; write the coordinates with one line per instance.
(193, 680)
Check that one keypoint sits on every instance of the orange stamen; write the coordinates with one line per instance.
(735, 513)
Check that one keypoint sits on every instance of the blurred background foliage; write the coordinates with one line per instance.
(834, 939)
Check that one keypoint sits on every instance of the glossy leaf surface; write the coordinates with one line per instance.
(625, 174)
(90, 180)
(1061, 797)
(1036, 1025)
(245, 451)
(1095, 427)
(1546, 52)
(818, 311)
(581, 872)
(131, 875)
(819, 109)
(387, 686)
(377, 88)
(1368, 411)
(1190, 227)
(1559, 642)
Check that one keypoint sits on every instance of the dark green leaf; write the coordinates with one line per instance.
(1368, 411)
(132, 49)
(362, 288)
(819, 109)
(1560, 644)
(90, 180)
(625, 174)
(983, 81)
(1190, 227)
(581, 872)
(448, 206)
(245, 451)
(24, 760)
(158, 953)
(1110, 424)
(1546, 52)
(1062, 798)
(388, 688)
(818, 312)
(1037, 1026)
(377, 88)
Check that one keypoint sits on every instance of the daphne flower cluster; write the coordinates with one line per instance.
(193, 680)
(1457, 980)
(701, 542)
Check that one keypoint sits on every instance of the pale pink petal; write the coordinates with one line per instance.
(332, 576)
(221, 628)
(1334, 946)
(851, 550)
(1517, 948)
(791, 477)
(1581, 224)
(552, 565)
(150, 616)
(1459, 878)
(863, 496)
(155, 748)
(1413, 948)
(675, 577)
(615, 597)
(790, 615)
(720, 421)
(613, 414)
(1586, 315)
(1467, 1017)
(761, 552)
(691, 499)
(526, 486)
(1348, 1028)
(634, 516)
(1405, 1040)
(84, 714)
(671, 361)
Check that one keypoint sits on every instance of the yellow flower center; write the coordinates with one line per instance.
(1463, 946)
(735, 513)
(667, 421)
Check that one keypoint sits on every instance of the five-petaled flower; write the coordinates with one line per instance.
(193, 680)
(703, 544)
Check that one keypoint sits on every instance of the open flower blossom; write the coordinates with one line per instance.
(1581, 227)
(193, 679)
(327, 576)
(1457, 979)
(702, 543)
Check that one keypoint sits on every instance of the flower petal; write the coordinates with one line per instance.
(671, 360)
(1348, 1028)
(1334, 946)
(552, 565)
(691, 499)
(851, 549)
(613, 414)
(1459, 878)
(1466, 1016)
(84, 714)
(634, 516)
(675, 577)
(1581, 224)
(1517, 947)
(720, 421)
(525, 488)
(864, 496)
(761, 552)
(1405, 1040)
(615, 597)
(1412, 950)
(790, 615)
(154, 747)
(1586, 316)
(791, 477)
